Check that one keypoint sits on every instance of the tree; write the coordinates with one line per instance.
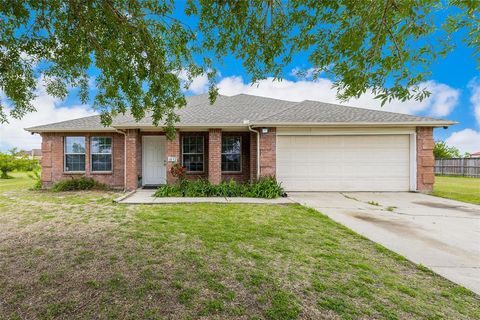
(443, 151)
(142, 54)
(15, 161)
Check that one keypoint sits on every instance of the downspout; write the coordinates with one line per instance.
(258, 149)
(124, 159)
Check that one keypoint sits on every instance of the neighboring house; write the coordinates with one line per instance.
(32, 154)
(475, 155)
(308, 146)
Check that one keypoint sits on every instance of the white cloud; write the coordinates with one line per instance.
(198, 85)
(474, 87)
(12, 134)
(440, 103)
(466, 140)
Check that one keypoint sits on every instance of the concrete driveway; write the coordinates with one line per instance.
(442, 234)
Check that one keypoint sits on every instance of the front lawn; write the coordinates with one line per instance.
(458, 188)
(78, 255)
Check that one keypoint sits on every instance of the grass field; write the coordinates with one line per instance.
(78, 255)
(458, 188)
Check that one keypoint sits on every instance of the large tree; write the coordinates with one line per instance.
(138, 52)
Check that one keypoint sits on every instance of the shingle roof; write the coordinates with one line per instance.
(234, 110)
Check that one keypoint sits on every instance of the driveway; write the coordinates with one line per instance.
(441, 234)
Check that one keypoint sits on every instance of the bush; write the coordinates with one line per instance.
(36, 176)
(14, 160)
(82, 183)
(264, 188)
(168, 191)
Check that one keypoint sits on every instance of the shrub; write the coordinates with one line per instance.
(264, 188)
(14, 160)
(37, 178)
(168, 191)
(82, 183)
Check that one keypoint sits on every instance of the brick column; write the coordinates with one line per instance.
(215, 156)
(47, 159)
(253, 156)
(425, 159)
(132, 145)
(268, 152)
(173, 150)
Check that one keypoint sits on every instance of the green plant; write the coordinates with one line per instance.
(373, 203)
(444, 151)
(166, 190)
(264, 188)
(37, 178)
(82, 183)
(14, 160)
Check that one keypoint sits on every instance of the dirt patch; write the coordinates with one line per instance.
(439, 205)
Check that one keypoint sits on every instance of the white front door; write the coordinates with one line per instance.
(154, 162)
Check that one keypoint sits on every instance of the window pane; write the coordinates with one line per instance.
(193, 162)
(101, 162)
(192, 150)
(74, 144)
(75, 162)
(231, 153)
(101, 145)
(231, 162)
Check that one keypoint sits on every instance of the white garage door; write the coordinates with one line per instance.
(344, 163)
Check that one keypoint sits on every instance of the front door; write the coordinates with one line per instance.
(154, 162)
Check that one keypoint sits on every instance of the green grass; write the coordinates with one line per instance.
(78, 255)
(458, 188)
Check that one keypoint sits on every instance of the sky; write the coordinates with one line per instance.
(454, 85)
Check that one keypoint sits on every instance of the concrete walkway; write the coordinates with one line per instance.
(143, 196)
(441, 234)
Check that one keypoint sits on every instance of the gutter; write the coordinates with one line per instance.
(124, 159)
(258, 148)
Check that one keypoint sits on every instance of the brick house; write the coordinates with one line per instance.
(308, 146)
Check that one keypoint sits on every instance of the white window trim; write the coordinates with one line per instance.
(111, 154)
(203, 152)
(65, 154)
(222, 153)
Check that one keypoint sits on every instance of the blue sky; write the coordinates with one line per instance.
(454, 83)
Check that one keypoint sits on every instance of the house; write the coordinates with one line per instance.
(308, 146)
(475, 155)
(32, 154)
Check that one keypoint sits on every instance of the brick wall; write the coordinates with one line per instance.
(53, 159)
(425, 159)
(173, 150)
(215, 156)
(253, 156)
(268, 152)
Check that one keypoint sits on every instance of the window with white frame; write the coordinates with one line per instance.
(101, 154)
(74, 151)
(193, 153)
(231, 154)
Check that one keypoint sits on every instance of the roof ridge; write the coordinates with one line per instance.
(283, 110)
(382, 111)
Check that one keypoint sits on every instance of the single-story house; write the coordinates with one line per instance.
(307, 146)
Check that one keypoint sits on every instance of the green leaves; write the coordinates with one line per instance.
(137, 49)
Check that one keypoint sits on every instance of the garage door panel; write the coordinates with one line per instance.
(344, 163)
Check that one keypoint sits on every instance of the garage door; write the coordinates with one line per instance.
(344, 163)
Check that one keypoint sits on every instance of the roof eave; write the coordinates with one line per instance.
(40, 130)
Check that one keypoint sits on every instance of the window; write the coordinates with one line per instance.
(101, 153)
(231, 154)
(192, 153)
(74, 154)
